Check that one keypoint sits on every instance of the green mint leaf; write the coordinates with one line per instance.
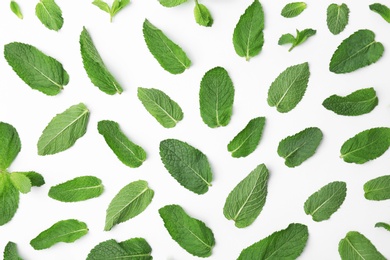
(9, 198)
(16, 9)
(357, 51)
(289, 88)
(130, 201)
(166, 111)
(247, 140)
(383, 225)
(170, 56)
(95, 67)
(286, 244)
(187, 165)
(102, 5)
(326, 201)
(286, 38)
(171, 3)
(248, 37)
(357, 103)
(50, 14)
(382, 10)
(64, 130)
(356, 246)
(134, 248)
(11, 252)
(216, 97)
(118, 5)
(298, 148)
(66, 231)
(77, 189)
(301, 37)
(21, 182)
(337, 17)
(190, 233)
(128, 153)
(35, 178)
(202, 15)
(293, 9)
(378, 188)
(9, 145)
(36, 69)
(247, 199)
(365, 146)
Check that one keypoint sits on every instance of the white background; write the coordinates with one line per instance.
(124, 51)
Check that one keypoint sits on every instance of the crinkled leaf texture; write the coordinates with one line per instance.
(202, 15)
(378, 188)
(286, 244)
(301, 37)
(337, 17)
(383, 225)
(11, 252)
(66, 231)
(357, 51)
(64, 130)
(356, 246)
(9, 198)
(130, 201)
(15, 8)
(382, 10)
(50, 14)
(216, 97)
(187, 165)
(246, 201)
(293, 9)
(9, 145)
(171, 3)
(36, 69)
(190, 233)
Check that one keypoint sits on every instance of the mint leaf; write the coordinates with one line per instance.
(248, 37)
(202, 15)
(134, 248)
(357, 51)
(171, 3)
(9, 145)
(64, 130)
(289, 88)
(9, 198)
(247, 199)
(102, 5)
(127, 152)
(116, 6)
(36, 69)
(337, 17)
(16, 9)
(11, 252)
(216, 97)
(21, 182)
(298, 148)
(190, 233)
(382, 10)
(66, 231)
(286, 244)
(77, 189)
(378, 188)
(97, 71)
(35, 178)
(50, 14)
(383, 225)
(247, 140)
(356, 246)
(357, 103)
(293, 9)
(365, 146)
(301, 37)
(130, 201)
(187, 165)
(166, 111)
(326, 201)
(170, 56)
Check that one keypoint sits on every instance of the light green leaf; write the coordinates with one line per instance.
(286, 244)
(191, 234)
(355, 246)
(382, 10)
(216, 97)
(289, 88)
(248, 37)
(77, 189)
(50, 14)
(9, 199)
(383, 225)
(337, 17)
(127, 152)
(293, 9)
(35, 178)
(134, 248)
(326, 201)
(365, 146)
(246, 201)
(21, 182)
(301, 37)
(102, 5)
(378, 188)
(64, 130)
(166, 111)
(9, 145)
(298, 148)
(286, 38)
(66, 231)
(130, 201)
(95, 67)
(170, 56)
(357, 51)
(11, 252)
(118, 5)
(16, 9)
(187, 165)
(36, 69)
(247, 140)
(202, 15)
(171, 3)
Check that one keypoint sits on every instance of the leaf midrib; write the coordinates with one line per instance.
(361, 148)
(353, 55)
(243, 142)
(326, 201)
(128, 148)
(351, 245)
(288, 89)
(82, 188)
(165, 111)
(192, 233)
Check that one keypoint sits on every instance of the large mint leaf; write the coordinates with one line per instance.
(50, 14)
(293, 9)
(9, 145)
(11, 252)
(9, 198)
(378, 188)
(337, 17)
(357, 247)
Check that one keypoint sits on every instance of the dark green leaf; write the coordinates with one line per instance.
(293, 9)
(382, 10)
(337, 18)
(9, 145)
(378, 188)
(9, 199)
(355, 246)
(383, 225)
(50, 14)
(11, 252)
